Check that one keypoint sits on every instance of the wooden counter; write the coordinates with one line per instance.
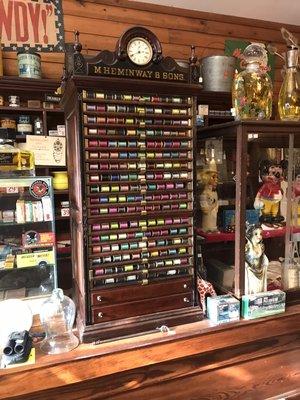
(252, 360)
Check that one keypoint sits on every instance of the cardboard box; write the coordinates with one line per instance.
(61, 130)
(228, 220)
(263, 304)
(38, 258)
(34, 104)
(53, 132)
(222, 309)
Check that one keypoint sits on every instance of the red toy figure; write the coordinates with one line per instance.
(270, 193)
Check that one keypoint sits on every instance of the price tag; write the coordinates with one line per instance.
(65, 212)
(12, 189)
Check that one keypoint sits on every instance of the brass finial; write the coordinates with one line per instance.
(77, 44)
(193, 57)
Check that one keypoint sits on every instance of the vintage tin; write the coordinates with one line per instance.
(29, 65)
(24, 126)
(8, 123)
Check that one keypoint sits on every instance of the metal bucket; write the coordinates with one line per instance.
(217, 73)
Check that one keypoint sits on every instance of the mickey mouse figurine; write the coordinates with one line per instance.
(270, 193)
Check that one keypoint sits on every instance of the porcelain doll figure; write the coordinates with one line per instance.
(256, 262)
(270, 193)
(209, 198)
(283, 203)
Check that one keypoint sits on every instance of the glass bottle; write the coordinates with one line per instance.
(57, 316)
(289, 95)
(38, 126)
(15, 161)
(252, 88)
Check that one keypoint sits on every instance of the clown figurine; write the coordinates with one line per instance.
(270, 193)
(209, 198)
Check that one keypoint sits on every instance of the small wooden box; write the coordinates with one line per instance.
(34, 104)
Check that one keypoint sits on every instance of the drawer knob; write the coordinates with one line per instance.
(185, 286)
(99, 298)
(186, 300)
(100, 314)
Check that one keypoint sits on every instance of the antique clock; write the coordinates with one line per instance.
(139, 51)
(130, 118)
(140, 46)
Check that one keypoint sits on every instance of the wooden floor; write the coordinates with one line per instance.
(250, 360)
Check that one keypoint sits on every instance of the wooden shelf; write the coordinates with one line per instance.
(60, 217)
(217, 237)
(60, 191)
(15, 110)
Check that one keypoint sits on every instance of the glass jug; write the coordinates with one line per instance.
(252, 88)
(57, 317)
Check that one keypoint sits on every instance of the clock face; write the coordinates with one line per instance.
(139, 51)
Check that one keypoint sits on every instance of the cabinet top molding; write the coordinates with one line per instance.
(138, 55)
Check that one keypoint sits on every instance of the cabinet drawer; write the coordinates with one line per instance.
(135, 308)
(131, 293)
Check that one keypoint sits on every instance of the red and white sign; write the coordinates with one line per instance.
(31, 24)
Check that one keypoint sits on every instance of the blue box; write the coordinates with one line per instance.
(222, 309)
(228, 220)
(263, 304)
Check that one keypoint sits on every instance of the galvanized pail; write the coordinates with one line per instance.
(217, 73)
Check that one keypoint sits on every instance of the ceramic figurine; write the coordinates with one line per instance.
(270, 193)
(283, 203)
(256, 262)
(209, 198)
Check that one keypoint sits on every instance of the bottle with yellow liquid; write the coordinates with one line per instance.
(252, 88)
(289, 95)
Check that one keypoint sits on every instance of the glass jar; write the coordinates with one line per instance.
(38, 126)
(252, 88)
(57, 317)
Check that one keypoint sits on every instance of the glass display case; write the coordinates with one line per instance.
(27, 239)
(248, 188)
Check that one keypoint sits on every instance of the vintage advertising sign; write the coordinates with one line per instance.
(48, 150)
(31, 25)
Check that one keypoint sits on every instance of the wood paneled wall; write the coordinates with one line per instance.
(102, 22)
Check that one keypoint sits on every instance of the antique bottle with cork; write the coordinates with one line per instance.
(289, 95)
(252, 88)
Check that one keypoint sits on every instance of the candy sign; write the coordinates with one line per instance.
(31, 24)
